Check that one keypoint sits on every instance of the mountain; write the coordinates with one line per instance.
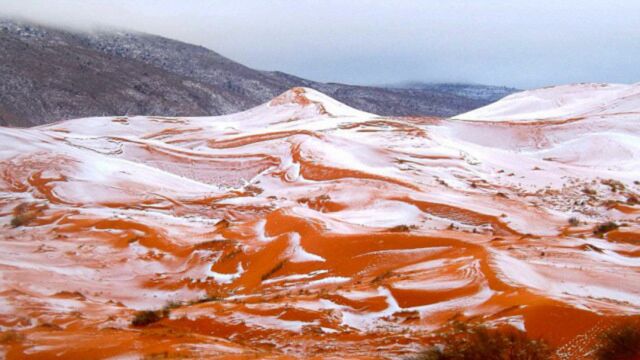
(303, 226)
(51, 74)
(472, 91)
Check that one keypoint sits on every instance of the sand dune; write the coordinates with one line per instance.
(304, 227)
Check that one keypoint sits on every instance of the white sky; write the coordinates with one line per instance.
(522, 43)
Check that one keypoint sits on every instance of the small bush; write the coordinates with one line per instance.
(573, 221)
(620, 343)
(402, 228)
(604, 228)
(147, 317)
(473, 342)
(20, 220)
(25, 213)
(171, 305)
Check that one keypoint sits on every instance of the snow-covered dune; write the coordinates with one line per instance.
(561, 102)
(303, 222)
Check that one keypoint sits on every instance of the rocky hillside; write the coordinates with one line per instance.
(48, 75)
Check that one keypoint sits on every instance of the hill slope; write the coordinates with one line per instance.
(48, 75)
(562, 102)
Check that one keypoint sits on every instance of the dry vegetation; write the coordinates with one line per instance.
(148, 317)
(273, 270)
(476, 342)
(24, 214)
(621, 342)
(604, 228)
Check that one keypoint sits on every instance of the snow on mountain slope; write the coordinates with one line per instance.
(302, 226)
(561, 102)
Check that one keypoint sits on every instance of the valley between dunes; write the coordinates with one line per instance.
(304, 228)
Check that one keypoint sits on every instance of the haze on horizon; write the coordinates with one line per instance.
(517, 43)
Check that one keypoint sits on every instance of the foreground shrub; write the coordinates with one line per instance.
(621, 342)
(473, 342)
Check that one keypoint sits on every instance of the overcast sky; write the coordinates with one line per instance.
(522, 43)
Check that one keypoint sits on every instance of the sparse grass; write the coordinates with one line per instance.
(604, 228)
(207, 298)
(381, 277)
(144, 316)
(474, 342)
(621, 342)
(614, 185)
(592, 248)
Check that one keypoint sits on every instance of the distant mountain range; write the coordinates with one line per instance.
(49, 74)
(472, 91)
